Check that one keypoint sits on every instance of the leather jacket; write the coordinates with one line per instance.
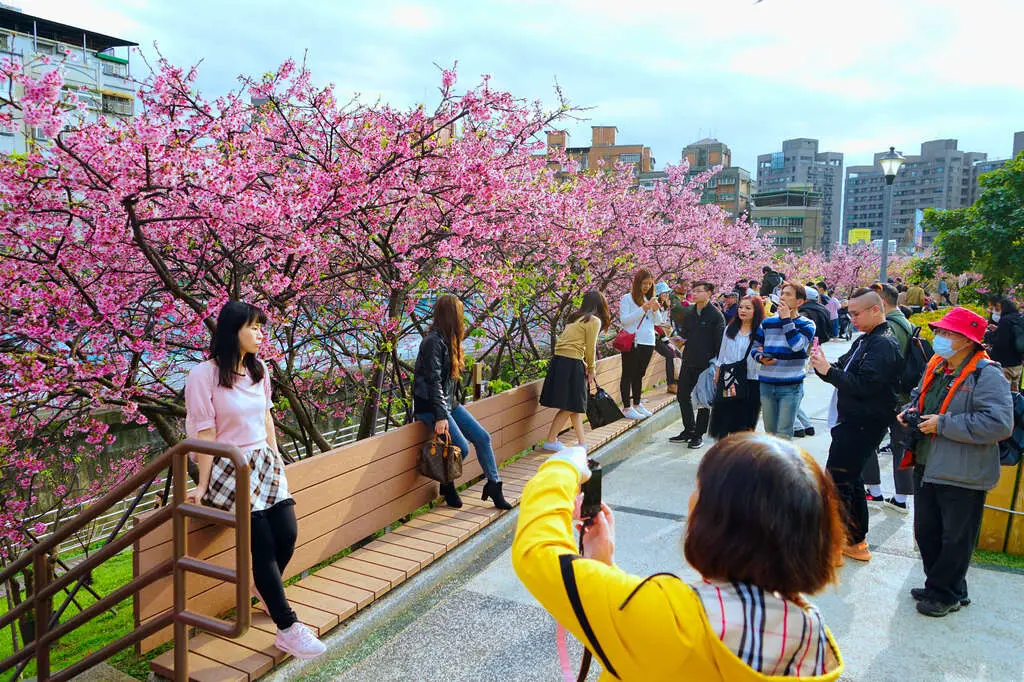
(433, 389)
(867, 389)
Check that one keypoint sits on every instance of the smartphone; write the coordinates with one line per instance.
(774, 298)
(592, 492)
(814, 345)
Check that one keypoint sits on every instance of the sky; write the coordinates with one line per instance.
(859, 75)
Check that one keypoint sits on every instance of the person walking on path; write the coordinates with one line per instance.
(863, 405)
(745, 619)
(962, 409)
(638, 314)
(780, 345)
(572, 367)
(439, 365)
(903, 479)
(832, 305)
(738, 413)
(1005, 338)
(943, 290)
(228, 400)
(663, 331)
(702, 329)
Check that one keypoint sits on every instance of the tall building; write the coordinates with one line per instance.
(941, 176)
(800, 162)
(730, 188)
(794, 216)
(603, 148)
(982, 167)
(1018, 143)
(95, 65)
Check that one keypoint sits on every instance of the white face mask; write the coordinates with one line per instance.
(995, 317)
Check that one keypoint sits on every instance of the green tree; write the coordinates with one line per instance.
(988, 237)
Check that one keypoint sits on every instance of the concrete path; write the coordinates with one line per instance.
(479, 623)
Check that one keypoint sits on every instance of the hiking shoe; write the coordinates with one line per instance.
(936, 609)
(632, 413)
(924, 594)
(899, 507)
(859, 551)
(642, 409)
(695, 442)
(682, 437)
(874, 500)
(299, 641)
(809, 431)
(554, 446)
(799, 433)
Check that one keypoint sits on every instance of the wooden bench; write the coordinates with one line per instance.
(342, 497)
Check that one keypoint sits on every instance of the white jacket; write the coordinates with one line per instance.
(630, 315)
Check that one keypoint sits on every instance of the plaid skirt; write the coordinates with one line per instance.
(267, 483)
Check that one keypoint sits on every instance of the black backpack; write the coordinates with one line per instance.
(1011, 449)
(919, 352)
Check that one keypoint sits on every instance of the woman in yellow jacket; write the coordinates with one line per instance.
(763, 529)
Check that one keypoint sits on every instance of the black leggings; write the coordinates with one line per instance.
(634, 366)
(273, 534)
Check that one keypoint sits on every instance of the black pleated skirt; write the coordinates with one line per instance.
(565, 385)
(733, 416)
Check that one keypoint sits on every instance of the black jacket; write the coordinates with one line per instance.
(433, 389)
(867, 389)
(818, 314)
(703, 333)
(1003, 340)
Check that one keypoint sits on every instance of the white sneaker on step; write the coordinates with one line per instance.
(632, 413)
(644, 411)
(299, 641)
(555, 446)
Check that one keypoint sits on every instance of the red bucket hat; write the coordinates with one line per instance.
(962, 321)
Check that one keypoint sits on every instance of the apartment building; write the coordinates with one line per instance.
(604, 151)
(941, 176)
(801, 163)
(730, 188)
(982, 167)
(794, 216)
(96, 67)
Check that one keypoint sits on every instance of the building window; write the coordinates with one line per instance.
(5, 42)
(629, 158)
(778, 160)
(45, 48)
(122, 106)
(115, 69)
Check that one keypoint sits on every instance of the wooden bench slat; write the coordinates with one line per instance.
(375, 586)
(319, 620)
(261, 642)
(446, 541)
(432, 549)
(200, 668)
(339, 608)
(403, 563)
(231, 653)
(319, 583)
(393, 576)
(455, 529)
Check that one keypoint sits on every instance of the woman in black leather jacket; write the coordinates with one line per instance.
(438, 366)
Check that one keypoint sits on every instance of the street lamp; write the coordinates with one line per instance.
(890, 162)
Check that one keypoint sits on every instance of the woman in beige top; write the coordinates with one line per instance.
(572, 366)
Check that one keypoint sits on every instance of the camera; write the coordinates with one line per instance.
(910, 434)
(591, 492)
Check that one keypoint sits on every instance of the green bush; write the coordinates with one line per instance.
(922, 319)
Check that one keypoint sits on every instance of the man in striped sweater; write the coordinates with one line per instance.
(780, 345)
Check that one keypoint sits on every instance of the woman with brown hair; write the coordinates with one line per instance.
(639, 312)
(763, 530)
(572, 367)
(439, 364)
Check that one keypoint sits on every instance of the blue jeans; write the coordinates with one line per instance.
(779, 405)
(835, 327)
(802, 421)
(462, 425)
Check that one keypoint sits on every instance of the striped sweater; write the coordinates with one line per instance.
(787, 341)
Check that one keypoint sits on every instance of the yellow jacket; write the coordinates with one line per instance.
(663, 633)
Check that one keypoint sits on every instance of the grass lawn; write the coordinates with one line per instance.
(984, 556)
(101, 630)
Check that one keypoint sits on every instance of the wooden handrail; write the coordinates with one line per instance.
(41, 599)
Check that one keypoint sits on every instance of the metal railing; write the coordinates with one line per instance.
(48, 629)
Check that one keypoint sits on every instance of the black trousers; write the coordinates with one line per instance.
(687, 380)
(667, 351)
(903, 478)
(634, 367)
(947, 520)
(273, 534)
(852, 443)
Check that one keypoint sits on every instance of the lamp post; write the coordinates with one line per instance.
(890, 162)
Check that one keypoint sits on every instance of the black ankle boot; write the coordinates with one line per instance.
(492, 489)
(451, 497)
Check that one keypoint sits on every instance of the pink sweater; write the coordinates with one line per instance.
(237, 413)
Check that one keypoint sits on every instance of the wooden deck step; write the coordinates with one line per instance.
(375, 586)
(200, 668)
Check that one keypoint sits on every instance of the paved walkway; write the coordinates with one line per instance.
(486, 626)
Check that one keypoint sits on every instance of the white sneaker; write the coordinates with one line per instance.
(632, 413)
(642, 409)
(299, 641)
(556, 446)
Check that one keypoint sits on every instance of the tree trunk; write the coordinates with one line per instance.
(371, 405)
